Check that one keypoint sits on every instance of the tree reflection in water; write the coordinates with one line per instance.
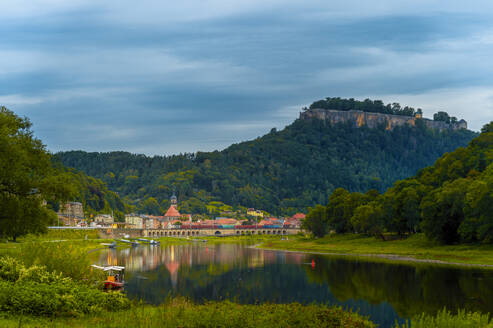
(386, 292)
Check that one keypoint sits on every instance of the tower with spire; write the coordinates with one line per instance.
(172, 212)
(174, 200)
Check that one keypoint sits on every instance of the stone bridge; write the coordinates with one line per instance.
(217, 232)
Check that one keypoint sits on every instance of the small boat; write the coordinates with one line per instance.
(133, 243)
(112, 245)
(115, 278)
(150, 242)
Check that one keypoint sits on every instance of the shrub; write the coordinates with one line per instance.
(57, 299)
(37, 291)
(10, 268)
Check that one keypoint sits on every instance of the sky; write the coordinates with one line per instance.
(169, 77)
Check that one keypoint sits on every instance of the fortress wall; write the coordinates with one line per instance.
(373, 120)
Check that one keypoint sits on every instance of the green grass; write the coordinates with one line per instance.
(416, 246)
(181, 313)
(445, 319)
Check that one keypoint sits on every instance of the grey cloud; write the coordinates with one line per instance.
(169, 78)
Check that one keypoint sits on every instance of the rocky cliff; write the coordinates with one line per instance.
(373, 120)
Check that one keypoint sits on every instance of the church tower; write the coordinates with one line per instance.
(174, 201)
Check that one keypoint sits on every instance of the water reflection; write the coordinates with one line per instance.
(229, 271)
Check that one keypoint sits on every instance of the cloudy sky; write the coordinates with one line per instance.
(164, 77)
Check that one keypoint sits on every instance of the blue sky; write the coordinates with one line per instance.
(162, 77)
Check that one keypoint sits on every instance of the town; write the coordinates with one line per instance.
(253, 221)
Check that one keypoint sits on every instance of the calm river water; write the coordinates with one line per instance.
(385, 292)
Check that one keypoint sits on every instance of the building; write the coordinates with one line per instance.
(134, 221)
(298, 216)
(105, 219)
(72, 210)
(255, 213)
(172, 212)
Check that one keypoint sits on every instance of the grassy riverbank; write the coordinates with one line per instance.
(416, 247)
(181, 313)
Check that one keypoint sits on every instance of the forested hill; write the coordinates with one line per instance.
(281, 172)
(450, 201)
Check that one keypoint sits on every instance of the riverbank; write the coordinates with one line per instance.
(416, 249)
(181, 313)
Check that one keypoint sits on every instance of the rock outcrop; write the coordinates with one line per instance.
(373, 120)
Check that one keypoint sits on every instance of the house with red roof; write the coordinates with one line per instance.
(298, 216)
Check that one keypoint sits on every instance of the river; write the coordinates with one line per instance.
(384, 292)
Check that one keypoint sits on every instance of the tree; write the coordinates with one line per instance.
(441, 116)
(442, 211)
(368, 219)
(316, 221)
(27, 179)
(150, 206)
(336, 211)
(487, 128)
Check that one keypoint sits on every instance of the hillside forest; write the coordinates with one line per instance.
(282, 172)
(450, 201)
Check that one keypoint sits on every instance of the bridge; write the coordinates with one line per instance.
(217, 232)
(183, 232)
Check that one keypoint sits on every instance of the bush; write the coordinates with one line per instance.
(10, 268)
(57, 299)
(37, 291)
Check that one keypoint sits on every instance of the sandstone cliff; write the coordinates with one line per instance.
(372, 120)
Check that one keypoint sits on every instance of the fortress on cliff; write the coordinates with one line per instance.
(373, 120)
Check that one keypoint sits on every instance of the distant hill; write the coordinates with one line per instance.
(281, 172)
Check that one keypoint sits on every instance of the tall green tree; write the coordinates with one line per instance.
(28, 180)
(316, 221)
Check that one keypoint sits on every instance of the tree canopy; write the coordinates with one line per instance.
(450, 201)
(27, 179)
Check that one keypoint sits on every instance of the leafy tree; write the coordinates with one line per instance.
(337, 211)
(27, 179)
(487, 128)
(442, 212)
(150, 206)
(368, 218)
(316, 221)
(441, 116)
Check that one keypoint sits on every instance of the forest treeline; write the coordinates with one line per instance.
(450, 201)
(282, 172)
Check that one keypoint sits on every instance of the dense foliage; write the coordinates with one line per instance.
(450, 201)
(35, 290)
(367, 105)
(27, 179)
(282, 172)
(32, 188)
(97, 198)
